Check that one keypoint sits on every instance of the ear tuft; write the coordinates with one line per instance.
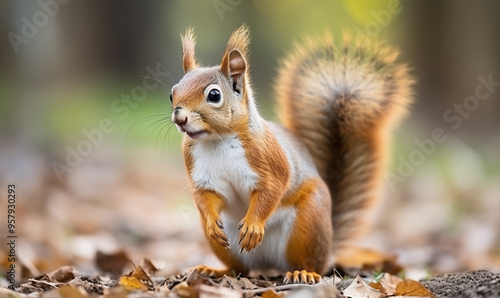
(239, 40)
(188, 44)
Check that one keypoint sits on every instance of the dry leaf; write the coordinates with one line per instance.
(359, 289)
(230, 282)
(378, 286)
(137, 280)
(262, 283)
(70, 291)
(272, 294)
(62, 274)
(148, 266)
(43, 277)
(389, 282)
(113, 263)
(185, 290)
(140, 275)
(247, 284)
(409, 287)
(131, 283)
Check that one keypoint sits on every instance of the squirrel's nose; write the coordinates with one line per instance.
(179, 117)
(181, 121)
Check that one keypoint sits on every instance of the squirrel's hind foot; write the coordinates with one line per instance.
(302, 277)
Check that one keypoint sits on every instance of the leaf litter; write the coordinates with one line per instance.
(145, 280)
(57, 232)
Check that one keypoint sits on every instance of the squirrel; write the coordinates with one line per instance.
(283, 197)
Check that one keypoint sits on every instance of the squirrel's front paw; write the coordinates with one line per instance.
(251, 235)
(215, 232)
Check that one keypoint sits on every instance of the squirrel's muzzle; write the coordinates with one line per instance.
(180, 116)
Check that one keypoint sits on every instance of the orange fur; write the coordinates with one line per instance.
(268, 160)
(306, 250)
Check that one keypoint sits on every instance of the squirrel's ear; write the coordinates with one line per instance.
(236, 70)
(234, 61)
(188, 43)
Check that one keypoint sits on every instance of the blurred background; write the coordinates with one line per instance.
(85, 136)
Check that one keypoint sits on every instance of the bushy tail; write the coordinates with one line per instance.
(342, 102)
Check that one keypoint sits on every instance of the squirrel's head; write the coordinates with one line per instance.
(210, 102)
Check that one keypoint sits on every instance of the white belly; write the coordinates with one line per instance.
(222, 166)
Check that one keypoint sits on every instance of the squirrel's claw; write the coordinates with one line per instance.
(216, 233)
(250, 236)
(302, 277)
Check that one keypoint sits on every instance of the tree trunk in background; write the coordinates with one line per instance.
(452, 43)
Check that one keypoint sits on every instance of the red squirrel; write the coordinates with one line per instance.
(284, 196)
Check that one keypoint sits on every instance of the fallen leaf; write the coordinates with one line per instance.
(70, 291)
(140, 275)
(137, 280)
(148, 266)
(185, 290)
(262, 283)
(43, 282)
(247, 284)
(272, 294)
(378, 286)
(389, 282)
(131, 283)
(409, 287)
(359, 289)
(194, 279)
(94, 285)
(62, 274)
(43, 276)
(230, 282)
(113, 263)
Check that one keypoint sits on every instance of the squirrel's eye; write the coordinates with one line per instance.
(213, 96)
(171, 97)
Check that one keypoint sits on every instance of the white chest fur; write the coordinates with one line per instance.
(222, 166)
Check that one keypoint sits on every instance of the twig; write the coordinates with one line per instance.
(44, 282)
(279, 288)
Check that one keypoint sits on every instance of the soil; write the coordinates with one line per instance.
(469, 284)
